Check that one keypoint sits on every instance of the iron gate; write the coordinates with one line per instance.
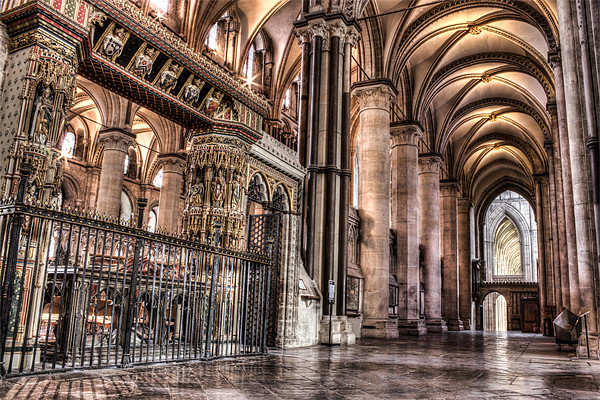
(82, 292)
(263, 233)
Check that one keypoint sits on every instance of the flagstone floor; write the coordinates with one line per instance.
(457, 365)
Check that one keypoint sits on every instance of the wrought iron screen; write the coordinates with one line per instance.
(81, 292)
(263, 234)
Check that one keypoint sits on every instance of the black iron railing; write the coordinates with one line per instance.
(82, 292)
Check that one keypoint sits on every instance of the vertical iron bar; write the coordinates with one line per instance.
(126, 360)
(11, 265)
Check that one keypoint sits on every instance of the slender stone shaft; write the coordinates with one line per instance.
(170, 192)
(429, 239)
(464, 263)
(580, 175)
(374, 98)
(405, 223)
(449, 215)
(116, 142)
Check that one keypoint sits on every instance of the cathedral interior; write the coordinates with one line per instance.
(190, 180)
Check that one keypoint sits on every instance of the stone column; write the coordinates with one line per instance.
(405, 217)
(116, 142)
(326, 154)
(449, 214)
(374, 98)
(587, 267)
(429, 239)
(170, 192)
(571, 301)
(464, 262)
(541, 243)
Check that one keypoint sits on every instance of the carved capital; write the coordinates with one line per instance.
(430, 164)
(449, 188)
(116, 139)
(337, 29)
(554, 59)
(464, 205)
(378, 95)
(405, 134)
(304, 35)
(173, 162)
(352, 36)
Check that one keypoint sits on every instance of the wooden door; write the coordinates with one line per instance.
(529, 315)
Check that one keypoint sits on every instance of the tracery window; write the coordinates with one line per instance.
(287, 99)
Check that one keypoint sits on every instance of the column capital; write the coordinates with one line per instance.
(464, 205)
(406, 133)
(172, 162)
(116, 139)
(352, 36)
(376, 93)
(430, 163)
(554, 58)
(449, 188)
(304, 35)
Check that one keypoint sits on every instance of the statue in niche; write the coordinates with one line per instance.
(42, 116)
(168, 78)
(213, 101)
(218, 189)
(143, 63)
(236, 190)
(192, 91)
(113, 43)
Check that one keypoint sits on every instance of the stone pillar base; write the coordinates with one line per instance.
(411, 327)
(341, 331)
(436, 326)
(379, 329)
(582, 347)
(455, 325)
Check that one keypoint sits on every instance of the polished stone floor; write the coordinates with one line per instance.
(458, 365)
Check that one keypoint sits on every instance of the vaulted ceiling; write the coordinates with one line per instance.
(473, 73)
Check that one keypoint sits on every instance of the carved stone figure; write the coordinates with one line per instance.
(168, 78)
(143, 63)
(212, 103)
(42, 116)
(113, 43)
(192, 91)
(217, 190)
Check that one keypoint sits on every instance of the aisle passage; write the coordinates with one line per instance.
(456, 365)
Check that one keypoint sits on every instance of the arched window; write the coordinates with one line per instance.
(158, 179)
(355, 180)
(126, 208)
(249, 66)
(126, 166)
(507, 249)
(152, 219)
(161, 5)
(287, 99)
(211, 40)
(68, 146)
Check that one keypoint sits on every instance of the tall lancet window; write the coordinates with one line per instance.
(248, 69)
